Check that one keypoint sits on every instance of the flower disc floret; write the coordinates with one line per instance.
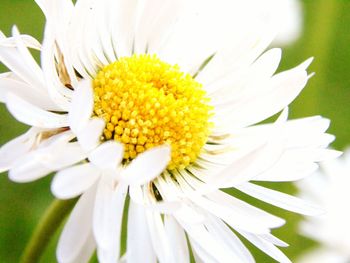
(146, 102)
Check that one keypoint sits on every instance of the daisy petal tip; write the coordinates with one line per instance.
(315, 211)
(311, 75)
(15, 178)
(307, 63)
(27, 173)
(331, 155)
(74, 181)
(326, 122)
(89, 138)
(277, 52)
(57, 192)
(279, 222)
(282, 244)
(164, 150)
(162, 154)
(147, 166)
(14, 30)
(108, 154)
(337, 154)
(284, 115)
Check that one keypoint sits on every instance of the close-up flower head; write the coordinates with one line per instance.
(156, 117)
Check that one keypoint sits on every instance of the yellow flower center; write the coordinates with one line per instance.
(147, 102)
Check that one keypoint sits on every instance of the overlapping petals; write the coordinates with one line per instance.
(170, 212)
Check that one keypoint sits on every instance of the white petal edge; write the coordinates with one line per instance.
(81, 106)
(281, 200)
(139, 238)
(108, 155)
(16, 148)
(89, 137)
(32, 115)
(77, 231)
(147, 166)
(108, 214)
(177, 240)
(74, 181)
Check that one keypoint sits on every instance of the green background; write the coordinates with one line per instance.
(326, 37)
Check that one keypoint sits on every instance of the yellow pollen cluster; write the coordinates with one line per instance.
(147, 102)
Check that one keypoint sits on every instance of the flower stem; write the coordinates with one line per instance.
(50, 222)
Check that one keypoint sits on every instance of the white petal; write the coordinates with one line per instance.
(179, 45)
(59, 93)
(274, 240)
(308, 132)
(136, 194)
(28, 169)
(85, 48)
(62, 155)
(53, 155)
(86, 251)
(246, 82)
(201, 255)
(26, 56)
(155, 25)
(190, 214)
(227, 207)
(228, 239)
(244, 209)
(81, 106)
(108, 155)
(29, 42)
(235, 220)
(147, 166)
(108, 214)
(283, 89)
(138, 236)
(177, 240)
(207, 246)
(323, 255)
(16, 148)
(75, 240)
(279, 199)
(296, 164)
(58, 17)
(167, 188)
(36, 163)
(32, 115)
(160, 242)
(104, 15)
(19, 61)
(246, 45)
(55, 44)
(124, 15)
(290, 15)
(90, 137)
(249, 165)
(9, 83)
(74, 181)
(266, 247)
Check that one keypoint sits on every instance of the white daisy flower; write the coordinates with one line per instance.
(329, 188)
(181, 87)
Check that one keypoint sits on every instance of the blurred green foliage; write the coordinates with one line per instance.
(325, 36)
